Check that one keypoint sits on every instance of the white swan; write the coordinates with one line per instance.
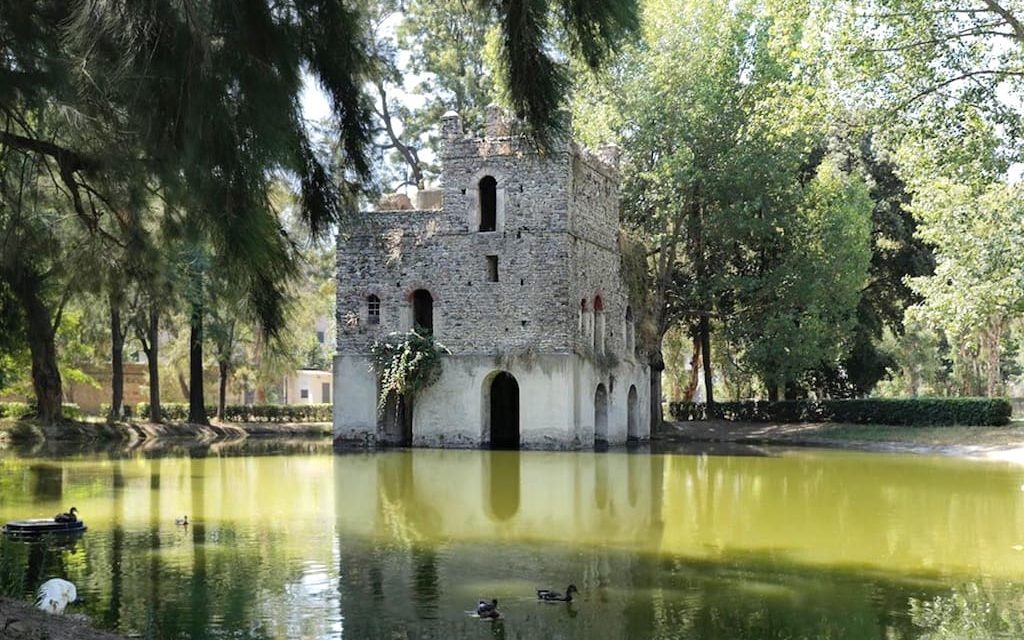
(56, 594)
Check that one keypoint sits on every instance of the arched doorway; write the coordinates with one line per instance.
(632, 419)
(423, 310)
(504, 411)
(601, 414)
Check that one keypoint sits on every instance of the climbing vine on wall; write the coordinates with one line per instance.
(406, 363)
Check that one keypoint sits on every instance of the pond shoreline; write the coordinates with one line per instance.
(136, 434)
(990, 443)
(21, 621)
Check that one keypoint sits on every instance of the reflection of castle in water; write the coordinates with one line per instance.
(445, 495)
(425, 533)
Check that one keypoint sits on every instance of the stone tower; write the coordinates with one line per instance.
(517, 273)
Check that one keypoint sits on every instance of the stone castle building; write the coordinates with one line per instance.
(515, 268)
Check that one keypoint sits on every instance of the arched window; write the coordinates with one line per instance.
(583, 317)
(598, 325)
(372, 309)
(488, 203)
(423, 309)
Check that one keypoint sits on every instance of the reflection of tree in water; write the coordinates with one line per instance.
(971, 610)
(409, 518)
(426, 585)
(199, 595)
(47, 482)
(112, 615)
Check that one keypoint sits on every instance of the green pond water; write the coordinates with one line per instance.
(299, 542)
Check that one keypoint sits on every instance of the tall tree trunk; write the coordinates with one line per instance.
(695, 367)
(152, 349)
(993, 351)
(773, 391)
(792, 391)
(116, 355)
(705, 347)
(196, 405)
(657, 362)
(40, 333)
(182, 384)
(225, 368)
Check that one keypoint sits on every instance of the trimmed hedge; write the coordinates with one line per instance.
(178, 411)
(22, 409)
(892, 411)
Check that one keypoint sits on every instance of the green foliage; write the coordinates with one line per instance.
(23, 409)
(723, 112)
(177, 412)
(801, 313)
(14, 409)
(892, 411)
(922, 61)
(974, 218)
(279, 413)
(406, 363)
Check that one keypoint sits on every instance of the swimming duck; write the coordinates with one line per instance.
(486, 609)
(55, 595)
(70, 516)
(548, 595)
(181, 522)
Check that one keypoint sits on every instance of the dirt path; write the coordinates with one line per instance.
(21, 621)
(998, 443)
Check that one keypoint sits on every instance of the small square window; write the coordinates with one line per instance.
(492, 268)
(304, 393)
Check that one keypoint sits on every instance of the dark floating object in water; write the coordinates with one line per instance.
(40, 527)
(486, 609)
(553, 596)
(62, 523)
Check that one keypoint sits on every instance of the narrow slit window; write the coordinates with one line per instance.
(488, 203)
(492, 268)
(373, 310)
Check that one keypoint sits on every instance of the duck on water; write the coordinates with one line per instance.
(547, 595)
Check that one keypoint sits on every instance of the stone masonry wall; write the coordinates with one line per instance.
(555, 241)
(596, 268)
(392, 254)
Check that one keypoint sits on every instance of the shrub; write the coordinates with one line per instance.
(22, 409)
(178, 412)
(14, 409)
(893, 411)
(406, 363)
(129, 410)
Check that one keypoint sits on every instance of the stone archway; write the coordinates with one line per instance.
(601, 414)
(503, 410)
(632, 414)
